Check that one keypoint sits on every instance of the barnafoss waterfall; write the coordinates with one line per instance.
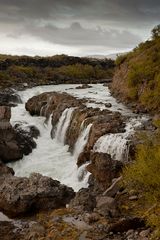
(52, 156)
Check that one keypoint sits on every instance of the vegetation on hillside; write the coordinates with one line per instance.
(143, 177)
(56, 69)
(142, 79)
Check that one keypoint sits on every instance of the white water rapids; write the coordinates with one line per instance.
(51, 157)
(63, 124)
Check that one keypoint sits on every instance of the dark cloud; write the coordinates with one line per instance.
(112, 23)
(142, 10)
(78, 35)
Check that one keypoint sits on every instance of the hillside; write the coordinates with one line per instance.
(137, 75)
(52, 70)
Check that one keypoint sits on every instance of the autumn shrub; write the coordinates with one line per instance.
(143, 176)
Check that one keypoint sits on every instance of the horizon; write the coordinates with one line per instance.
(85, 28)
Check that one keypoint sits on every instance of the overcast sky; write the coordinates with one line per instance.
(75, 27)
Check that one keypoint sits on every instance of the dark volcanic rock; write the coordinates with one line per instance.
(25, 138)
(9, 98)
(14, 142)
(9, 149)
(5, 171)
(83, 86)
(125, 224)
(84, 200)
(21, 195)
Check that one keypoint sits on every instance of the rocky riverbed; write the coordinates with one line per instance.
(81, 136)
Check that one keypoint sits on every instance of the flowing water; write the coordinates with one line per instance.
(81, 141)
(51, 157)
(63, 124)
(117, 144)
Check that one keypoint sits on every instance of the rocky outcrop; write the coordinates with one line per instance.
(21, 195)
(47, 103)
(54, 103)
(25, 138)
(104, 169)
(8, 97)
(13, 142)
(9, 149)
(84, 200)
(5, 171)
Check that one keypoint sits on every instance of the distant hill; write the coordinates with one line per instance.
(112, 56)
(15, 70)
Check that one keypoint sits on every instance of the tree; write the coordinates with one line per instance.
(156, 32)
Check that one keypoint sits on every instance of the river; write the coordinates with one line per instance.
(51, 157)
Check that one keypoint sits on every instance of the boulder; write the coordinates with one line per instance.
(125, 224)
(5, 171)
(14, 142)
(9, 98)
(9, 150)
(83, 86)
(25, 138)
(21, 195)
(107, 206)
(83, 201)
(104, 169)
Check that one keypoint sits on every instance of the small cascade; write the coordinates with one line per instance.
(117, 144)
(63, 124)
(81, 141)
(113, 144)
(82, 173)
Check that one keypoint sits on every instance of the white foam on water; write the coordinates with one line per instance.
(81, 141)
(63, 124)
(117, 144)
(51, 157)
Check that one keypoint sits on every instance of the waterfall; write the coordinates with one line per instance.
(81, 141)
(63, 124)
(113, 144)
(82, 173)
(117, 144)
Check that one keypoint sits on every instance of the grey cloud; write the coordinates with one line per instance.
(78, 35)
(112, 10)
(73, 22)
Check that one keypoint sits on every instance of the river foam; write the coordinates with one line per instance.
(51, 157)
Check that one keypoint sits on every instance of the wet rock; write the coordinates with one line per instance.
(5, 171)
(107, 206)
(9, 98)
(83, 201)
(108, 105)
(9, 149)
(21, 195)
(104, 169)
(30, 130)
(14, 142)
(25, 138)
(83, 86)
